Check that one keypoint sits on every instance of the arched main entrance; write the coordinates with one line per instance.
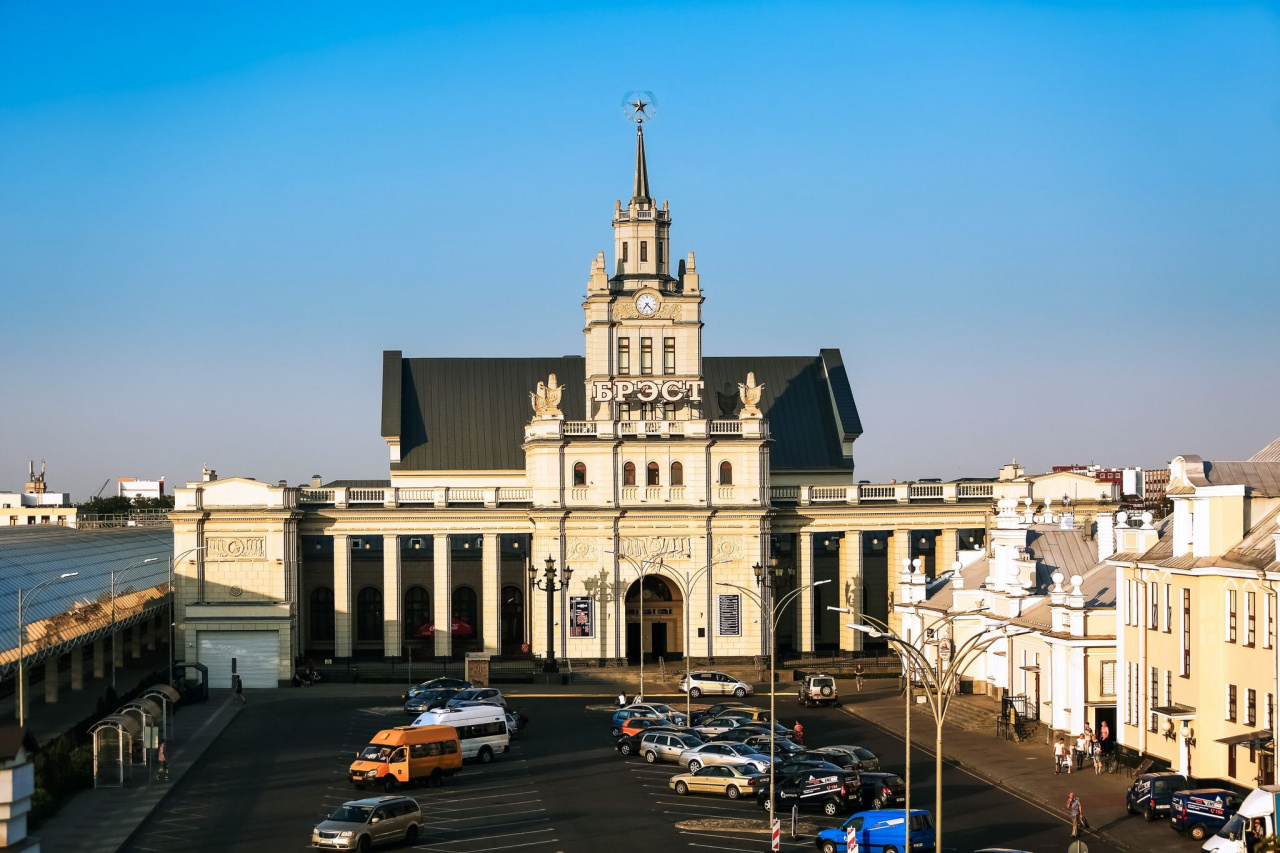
(656, 622)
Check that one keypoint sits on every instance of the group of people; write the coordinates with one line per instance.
(1087, 748)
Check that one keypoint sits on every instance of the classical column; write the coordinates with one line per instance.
(342, 596)
(392, 596)
(900, 550)
(804, 601)
(850, 581)
(944, 551)
(77, 668)
(99, 658)
(51, 680)
(442, 594)
(135, 636)
(491, 592)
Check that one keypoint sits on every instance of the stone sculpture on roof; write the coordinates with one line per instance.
(546, 400)
(751, 394)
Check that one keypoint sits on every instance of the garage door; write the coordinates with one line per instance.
(256, 654)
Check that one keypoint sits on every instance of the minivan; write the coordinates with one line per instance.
(405, 755)
(880, 830)
(361, 824)
(482, 729)
(1202, 812)
(1151, 793)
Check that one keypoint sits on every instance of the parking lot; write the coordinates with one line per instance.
(281, 766)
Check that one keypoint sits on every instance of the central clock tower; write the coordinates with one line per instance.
(643, 323)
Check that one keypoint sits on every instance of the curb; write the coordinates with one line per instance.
(195, 752)
(1024, 795)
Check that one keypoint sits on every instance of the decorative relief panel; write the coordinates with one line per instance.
(235, 549)
(729, 548)
(627, 311)
(582, 550)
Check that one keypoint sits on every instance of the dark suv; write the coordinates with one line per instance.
(832, 792)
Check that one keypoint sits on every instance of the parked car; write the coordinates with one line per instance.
(710, 754)
(429, 700)
(828, 790)
(783, 749)
(713, 683)
(797, 765)
(865, 758)
(659, 710)
(843, 760)
(436, 684)
(1151, 794)
(621, 715)
(1203, 811)
(727, 780)
(361, 824)
(630, 744)
(819, 689)
(879, 831)
(639, 725)
(715, 710)
(484, 695)
(746, 731)
(880, 790)
(666, 746)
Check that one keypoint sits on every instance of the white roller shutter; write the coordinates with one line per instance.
(256, 654)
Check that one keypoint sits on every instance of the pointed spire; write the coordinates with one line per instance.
(641, 191)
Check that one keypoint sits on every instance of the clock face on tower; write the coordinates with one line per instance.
(647, 304)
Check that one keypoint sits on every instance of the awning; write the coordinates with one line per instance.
(1253, 740)
(1175, 711)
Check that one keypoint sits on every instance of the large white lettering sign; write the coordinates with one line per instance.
(647, 390)
(656, 546)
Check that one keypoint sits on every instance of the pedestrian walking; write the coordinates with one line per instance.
(1075, 809)
(1095, 752)
(622, 699)
(798, 734)
(857, 676)
(162, 763)
(239, 690)
(1060, 757)
(1082, 746)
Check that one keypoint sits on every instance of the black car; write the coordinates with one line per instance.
(831, 791)
(749, 730)
(430, 699)
(435, 684)
(700, 716)
(880, 791)
(797, 765)
(783, 749)
(841, 759)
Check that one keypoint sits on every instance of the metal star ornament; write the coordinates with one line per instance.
(639, 107)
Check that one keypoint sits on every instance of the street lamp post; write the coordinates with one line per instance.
(116, 575)
(768, 578)
(550, 584)
(938, 685)
(22, 711)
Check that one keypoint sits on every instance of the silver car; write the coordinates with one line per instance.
(666, 746)
(477, 695)
(361, 824)
(659, 710)
(866, 760)
(731, 754)
(710, 683)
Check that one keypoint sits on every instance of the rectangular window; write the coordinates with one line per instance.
(1127, 592)
(1269, 602)
(624, 250)
(624, 356)
(1153, 592)
(668, 355)
(661, 255)
(1168, 687)
(1231, 703)
(1168, 608)
(1186, 633)
(644, 251)
(1108, 671)
(1231, 615)
(1250, 617)
(1270, 711)
(1153, 699)
(646, 356)
(1251, 707)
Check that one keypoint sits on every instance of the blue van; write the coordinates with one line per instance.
(881, 831)
(1202, 812)
(1151, 793)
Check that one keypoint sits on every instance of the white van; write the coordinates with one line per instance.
(482, 729)
(1238, 835)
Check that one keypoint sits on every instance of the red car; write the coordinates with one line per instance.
(457, 628)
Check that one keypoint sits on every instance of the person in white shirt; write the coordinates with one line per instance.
(1060, 757)
(1082, 749)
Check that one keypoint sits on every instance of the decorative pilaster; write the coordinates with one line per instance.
(804, 601)
(392, 596)
(343, 604)
(851, 590)
(944, 551)
(442, 594)
(491, 593)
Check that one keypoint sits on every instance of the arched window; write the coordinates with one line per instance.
(417, 611)
(369, 615)
(726, 474)
(629, 474)
(651, 477)
(321, 620)
(579, 474)
(677, 474)
(464, 610)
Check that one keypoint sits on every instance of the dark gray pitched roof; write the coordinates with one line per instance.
(470, 413)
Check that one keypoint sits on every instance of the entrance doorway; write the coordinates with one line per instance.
(656, 618)
(1107, 716)
(512, 621)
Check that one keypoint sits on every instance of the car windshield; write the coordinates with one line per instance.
(663, 709)
(921, 821)
(1233, 827)
(742, 748)
(689, 742)
(863, 754)
(351, 814)
(893, 782)
(373, 752)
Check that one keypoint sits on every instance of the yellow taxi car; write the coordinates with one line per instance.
(724, 779)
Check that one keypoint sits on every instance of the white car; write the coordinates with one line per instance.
(710, 683)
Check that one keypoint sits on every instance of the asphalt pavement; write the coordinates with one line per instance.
(280, 766)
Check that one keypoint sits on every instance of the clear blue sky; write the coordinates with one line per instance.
(1043, 230)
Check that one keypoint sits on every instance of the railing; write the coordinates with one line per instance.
(726, 427)
(466, 495)
(579, 494)
(579, 427)
(784, 493)
(514, 494)
(416, 496)
(630, 493)
(677, 493)
(877, 493)
(675, 427)
(91, 521)
(653, 493)
(829, 494)
(626, 427)
(899, 492)
(724, 493)
(925, 491)
(975, 490)
(366, 496)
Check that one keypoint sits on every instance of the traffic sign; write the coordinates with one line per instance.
(1078, 847)
(777, 834)
(851, 839)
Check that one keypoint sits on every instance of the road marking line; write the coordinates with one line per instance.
(502, 835)
(496, 825)
(503, 847)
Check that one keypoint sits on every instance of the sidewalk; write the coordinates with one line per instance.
(100, 820)
(1024, 769)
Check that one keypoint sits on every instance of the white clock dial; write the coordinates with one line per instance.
(647, 304)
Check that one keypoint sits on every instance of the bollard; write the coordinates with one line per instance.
(795, 821)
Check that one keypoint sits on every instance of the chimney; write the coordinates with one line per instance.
(316, 481)
(208, 475)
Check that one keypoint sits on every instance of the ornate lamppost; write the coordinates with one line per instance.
(551, 585)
